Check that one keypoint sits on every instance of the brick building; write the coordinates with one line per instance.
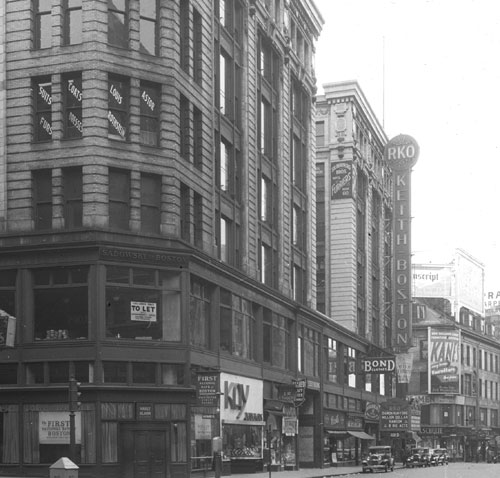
(157, 221)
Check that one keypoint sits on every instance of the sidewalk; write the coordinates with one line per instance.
(304, 473)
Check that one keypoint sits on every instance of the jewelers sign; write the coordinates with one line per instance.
(53, 428)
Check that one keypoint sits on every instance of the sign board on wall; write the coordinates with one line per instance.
(470, 281)
(242, 398)
(341, 180)
(444, 361)
(143, 311)
(432, 280)
(53, 428)
(401, 154)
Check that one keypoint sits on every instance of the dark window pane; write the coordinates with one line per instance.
(8, 373)
(58, 372)
(114, 372)
(144, 373)
(82, 371)
(117, 274)
(117, 23)
(34, 373)
(43, 198)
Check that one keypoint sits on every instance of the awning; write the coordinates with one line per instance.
(362, 435)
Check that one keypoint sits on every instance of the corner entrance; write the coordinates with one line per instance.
(144, 451)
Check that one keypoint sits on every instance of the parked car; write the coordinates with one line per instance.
(439, 456)
(419, 456)
(379, 458)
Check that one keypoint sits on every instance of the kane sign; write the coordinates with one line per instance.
(378, 365)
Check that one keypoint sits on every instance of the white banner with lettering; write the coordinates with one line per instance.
(53, 428)
(404, 363)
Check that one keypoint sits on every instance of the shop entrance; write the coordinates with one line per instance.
(144, 451)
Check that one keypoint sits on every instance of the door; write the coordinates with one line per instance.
(144, 453)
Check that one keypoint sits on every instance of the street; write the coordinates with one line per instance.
(453, 470)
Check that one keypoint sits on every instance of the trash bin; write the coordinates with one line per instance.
(63, 468)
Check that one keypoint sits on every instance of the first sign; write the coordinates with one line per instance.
(401, 152)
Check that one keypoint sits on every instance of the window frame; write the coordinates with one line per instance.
(69, 10)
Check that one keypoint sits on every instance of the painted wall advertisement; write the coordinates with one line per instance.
(341, 179)
(53, 428)
(444, 360)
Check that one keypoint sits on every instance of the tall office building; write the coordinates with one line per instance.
(353, 214)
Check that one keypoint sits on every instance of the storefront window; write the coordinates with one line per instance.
(61, 303)
(242, 441)
(8, 373)
(142, 304)
(203, 429)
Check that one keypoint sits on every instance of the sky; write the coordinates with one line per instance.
(431, 69)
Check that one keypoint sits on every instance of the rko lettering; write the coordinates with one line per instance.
(236, 396)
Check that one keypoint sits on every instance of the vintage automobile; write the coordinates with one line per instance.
(419, 456)
(379, 458)
(439, 456)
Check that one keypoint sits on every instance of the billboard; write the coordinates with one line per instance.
(470, 281)
(432, 280)
(444, 361)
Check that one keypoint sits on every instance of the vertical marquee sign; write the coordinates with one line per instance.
(401, 154)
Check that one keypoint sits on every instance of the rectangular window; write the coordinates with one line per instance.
(185, 213)
(72, 197)
(320, 134)
(310, 351)
(150, 203)
(114, 372)
(184, 124)
(331, 359)
(184, 47)
(43, 24)
(72, 103)
(118, 23)
(119, 198)
(225, 165)
(225, 227)
(150, 113)
(148, 26)
(198, 220)
(72, 22)
(42, 198)
(61, 303)
(142, 304)
(42, 102)
(236, 325)
(197, 137)
(118, 107)
(197, 47)
(200, 315)
(276, 340)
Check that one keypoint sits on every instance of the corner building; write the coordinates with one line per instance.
(156, 217)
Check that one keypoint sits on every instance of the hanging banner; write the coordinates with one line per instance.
(444, 361)
(404, 363)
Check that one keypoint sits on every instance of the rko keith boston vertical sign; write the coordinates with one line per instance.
(401, 154)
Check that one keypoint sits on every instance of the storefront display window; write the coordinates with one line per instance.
(242, 441)
(203, 428)
(144, 304)
(46, 433)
